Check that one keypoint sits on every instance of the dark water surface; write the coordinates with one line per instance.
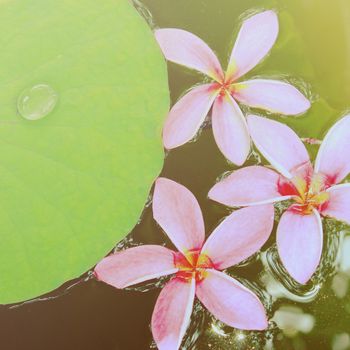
(312, 51)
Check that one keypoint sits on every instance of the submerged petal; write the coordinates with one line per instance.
(187, 115)
(178, 213)
(251, 185)
(255, 39)
(272, 95)
(231, 302)
(338, 205)
(171, 315)
(278, 143)
(239, 236)
(299, 242)
(135, 265)
(333, 157)
(230, 130)
(187, 49)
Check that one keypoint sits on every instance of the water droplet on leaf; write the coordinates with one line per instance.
(37, 102)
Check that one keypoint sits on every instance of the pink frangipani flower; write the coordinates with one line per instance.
(314, 191)
(196, 266)
(255, 39)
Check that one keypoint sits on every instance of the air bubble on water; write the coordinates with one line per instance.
(37, 102)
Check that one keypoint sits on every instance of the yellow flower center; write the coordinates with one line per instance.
(192, 264)
(224, 87)
(308, 192)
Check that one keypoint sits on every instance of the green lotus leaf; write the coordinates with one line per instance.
(83, 93)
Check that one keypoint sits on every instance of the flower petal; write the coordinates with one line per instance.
(255, 39)
(272, 95)
(187, 115)
(187, 49)
(178, 213)
(135, 265)
(333, 157)
(338, 205)
(299, 242)
(230, 130)
(251, 185)
(239, 236)
(278, 143)
(171, 315)
(231, 302)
